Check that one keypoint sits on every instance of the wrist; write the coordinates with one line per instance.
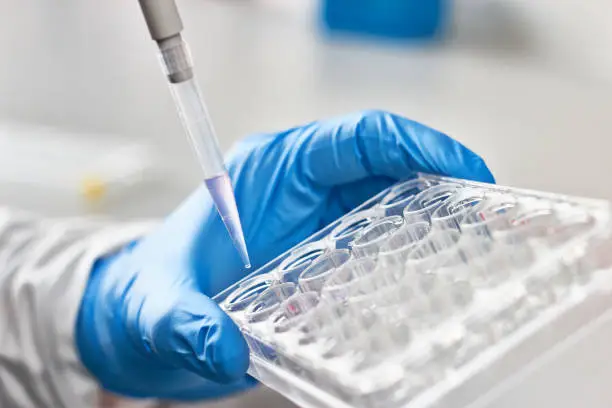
(102, 340)
(92, 330)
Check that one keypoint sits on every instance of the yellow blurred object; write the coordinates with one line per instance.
(93, 188)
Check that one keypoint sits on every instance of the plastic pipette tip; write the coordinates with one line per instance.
(220, 189)
(246, 260)
(241, 248)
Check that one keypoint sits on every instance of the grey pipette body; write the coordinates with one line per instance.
(165, 26)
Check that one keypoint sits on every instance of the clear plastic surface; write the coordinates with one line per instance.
(431, 294)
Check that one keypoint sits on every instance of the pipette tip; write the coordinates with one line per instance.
(240, 245)
(220, 189)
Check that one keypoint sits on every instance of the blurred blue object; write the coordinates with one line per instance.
(404, 19)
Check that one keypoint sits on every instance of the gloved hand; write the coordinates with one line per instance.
(147, 327)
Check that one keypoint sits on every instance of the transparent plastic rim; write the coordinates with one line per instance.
(454, 208)
(301, 258)
(352, 225)
(319, 271)
(401, 195)
(269, 301)
(492, 209)
(428, 200)
(248, 291)
(422, 230)
(367, 236)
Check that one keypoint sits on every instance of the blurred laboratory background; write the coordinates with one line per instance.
(88, 126)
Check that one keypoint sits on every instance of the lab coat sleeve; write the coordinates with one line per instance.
(44, 267)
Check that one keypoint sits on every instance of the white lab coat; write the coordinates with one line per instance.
(44, 267)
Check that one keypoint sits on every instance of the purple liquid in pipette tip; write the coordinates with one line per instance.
(220, 189)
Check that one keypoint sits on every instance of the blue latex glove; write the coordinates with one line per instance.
(147, 327)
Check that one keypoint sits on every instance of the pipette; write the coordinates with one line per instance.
(165, 26)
